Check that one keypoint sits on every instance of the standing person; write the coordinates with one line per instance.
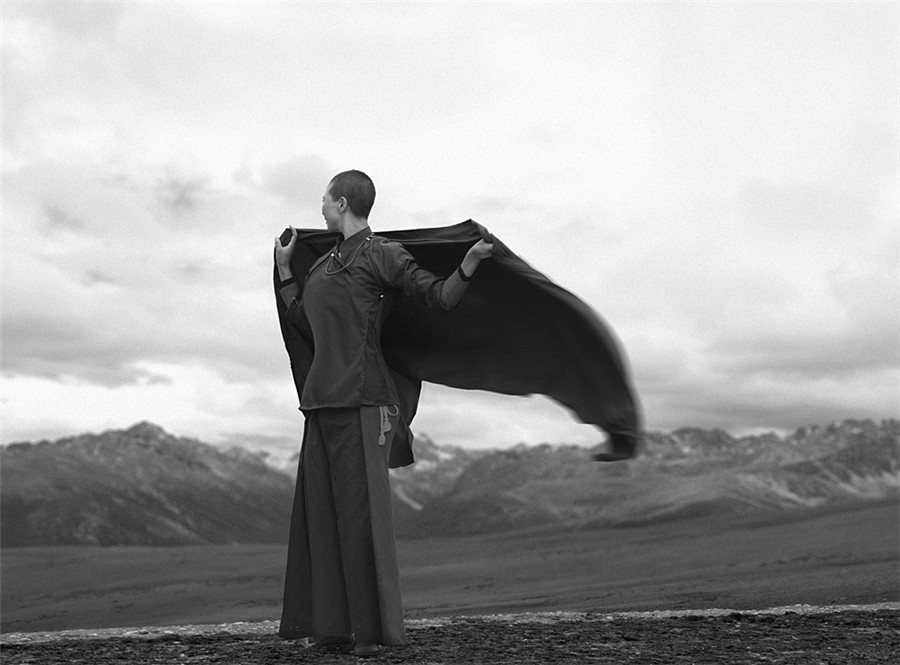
(342, 580)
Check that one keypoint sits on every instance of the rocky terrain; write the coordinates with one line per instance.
(144, 486)
(788, 636)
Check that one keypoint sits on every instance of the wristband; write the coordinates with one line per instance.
(285, 282)
(462, 275)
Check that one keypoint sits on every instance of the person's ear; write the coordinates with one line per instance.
(342, 204)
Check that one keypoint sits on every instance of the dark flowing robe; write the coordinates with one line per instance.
(515, 332)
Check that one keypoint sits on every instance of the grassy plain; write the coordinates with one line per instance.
(833, 556)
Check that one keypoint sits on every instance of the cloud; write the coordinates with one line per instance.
(772, 401)
(104, 271)
(808, 208)
(183, 195)
(58, 219)
(75, 20)
(193, 401)
(489, 420)
(300, 180)
(59, 66)
(717, 181)
(852, 327)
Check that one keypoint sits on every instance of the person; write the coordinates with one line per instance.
(342, 579)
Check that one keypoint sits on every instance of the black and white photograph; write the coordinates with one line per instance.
(488, 332)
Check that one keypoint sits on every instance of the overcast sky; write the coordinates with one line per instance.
(719, 181)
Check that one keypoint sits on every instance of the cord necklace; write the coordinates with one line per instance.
(344, 266)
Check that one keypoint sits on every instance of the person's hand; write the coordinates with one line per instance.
(283, 253)
(481, 250)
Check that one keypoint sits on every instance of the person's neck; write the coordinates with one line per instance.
(351, 225)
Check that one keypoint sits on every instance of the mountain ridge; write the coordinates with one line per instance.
(144, 486)
(139, 486)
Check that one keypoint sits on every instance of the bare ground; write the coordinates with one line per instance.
(841, 567)
(794, 635)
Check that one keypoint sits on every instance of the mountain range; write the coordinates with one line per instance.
(139, 486)
(145, 486)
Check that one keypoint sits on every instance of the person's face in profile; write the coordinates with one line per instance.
(331, 211)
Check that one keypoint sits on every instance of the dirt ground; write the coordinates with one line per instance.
(828, 558)
(623, 596)
(871, 635)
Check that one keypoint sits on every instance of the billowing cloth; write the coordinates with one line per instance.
(515, 332)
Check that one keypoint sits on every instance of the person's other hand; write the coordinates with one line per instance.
(283, 253)
(481, 250)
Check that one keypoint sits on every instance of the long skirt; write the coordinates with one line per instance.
(342, 576)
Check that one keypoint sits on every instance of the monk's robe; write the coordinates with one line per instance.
(515, 332)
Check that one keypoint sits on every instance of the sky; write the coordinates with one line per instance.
(724, 176)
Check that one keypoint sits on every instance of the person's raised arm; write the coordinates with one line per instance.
(456, 284)
(287, 286)
(398, 268)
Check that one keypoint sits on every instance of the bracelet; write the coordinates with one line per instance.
(462, 275)
(286, 282)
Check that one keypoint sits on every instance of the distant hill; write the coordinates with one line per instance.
(143, 486)
(687, 473)
(139, 486)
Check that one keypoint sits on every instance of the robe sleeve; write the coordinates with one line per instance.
(397, 268)
(296, 316)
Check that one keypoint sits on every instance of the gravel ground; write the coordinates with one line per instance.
(794, 635)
